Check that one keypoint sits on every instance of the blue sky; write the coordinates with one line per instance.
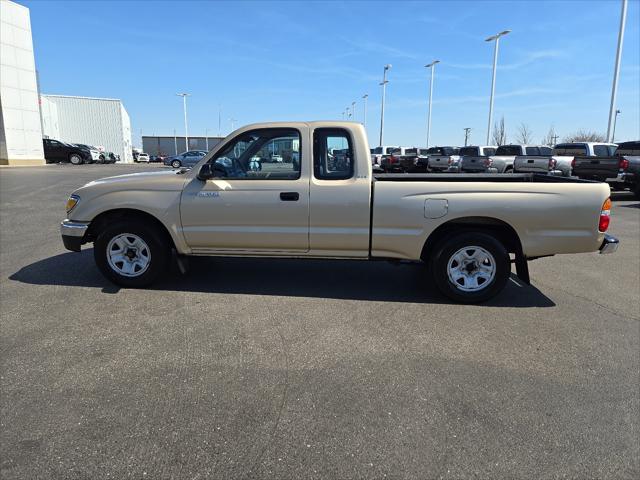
(306, 61)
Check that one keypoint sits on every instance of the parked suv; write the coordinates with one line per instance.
(56, 151)
(185, 159)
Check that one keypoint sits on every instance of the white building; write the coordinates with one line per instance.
(20, 126)
(93, 121)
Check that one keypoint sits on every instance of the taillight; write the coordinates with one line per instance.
(552, 164)
(488, 162)
(623, 164)
(605, 216)
(392, 159)
(573, 163)
(450, 161)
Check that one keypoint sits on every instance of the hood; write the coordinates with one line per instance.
(165, 180)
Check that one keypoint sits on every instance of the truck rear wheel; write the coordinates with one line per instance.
(131, 254)
(470, 267)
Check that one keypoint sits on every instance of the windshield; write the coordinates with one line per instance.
(628, 148)
(411, 151)
(470, 151)
(509, 150)
(570, 149)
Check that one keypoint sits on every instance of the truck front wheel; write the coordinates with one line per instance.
(470, 267)
(131, 254)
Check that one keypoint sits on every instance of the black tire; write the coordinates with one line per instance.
(159, 252)
(448, 247)
(176, 163)
(75, 159)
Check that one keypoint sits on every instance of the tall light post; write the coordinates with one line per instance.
(206, 138)
(364, 98)
(615, 120)
(616, 70)
(384, 91)
(353, 110)
(233, 123)
(343, 115)
(186, 127)
(348, 113)
(432, 66)
(495, 37)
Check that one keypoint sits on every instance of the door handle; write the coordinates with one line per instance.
(289, 196)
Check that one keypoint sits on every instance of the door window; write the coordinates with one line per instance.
(266, 154)
(332, 154)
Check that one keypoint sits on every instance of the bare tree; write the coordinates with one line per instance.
(585, 136)
(499, 135)
(524, 135)
(551, 137)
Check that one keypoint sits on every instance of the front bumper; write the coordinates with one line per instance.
(73, 234)
(609, 244)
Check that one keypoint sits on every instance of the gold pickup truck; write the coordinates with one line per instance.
(321, 200)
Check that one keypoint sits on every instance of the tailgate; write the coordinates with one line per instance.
(474, 163)
(535, 164)
(439, 161)
(596, 168)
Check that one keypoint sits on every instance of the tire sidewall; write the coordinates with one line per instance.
(176, 164)
(160, 253)
(453, 243)
(74, 155)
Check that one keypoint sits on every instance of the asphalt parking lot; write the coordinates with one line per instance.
(250, 368)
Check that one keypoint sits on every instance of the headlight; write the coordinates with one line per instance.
(72, 202)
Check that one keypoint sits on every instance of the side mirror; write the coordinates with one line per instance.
(206, 172)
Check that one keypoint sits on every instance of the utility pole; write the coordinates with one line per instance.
(467, 133)
(616, 70)
(554, 139)
(384, 91)
(186, 127)
(364, 97)
(432, 66)
(493, 77)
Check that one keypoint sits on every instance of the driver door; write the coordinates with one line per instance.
(247, 210)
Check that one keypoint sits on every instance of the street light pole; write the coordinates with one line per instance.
(384, 91)
(233, 123)
(493, 77)
(186, 127)
(432, 66)
(348, 114)
(615, 120)
(364, 97)
(616, 70)
(353, 110)
(206, 138)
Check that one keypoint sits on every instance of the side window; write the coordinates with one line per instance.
(533, 151)
(266, 154)
(546, 151)
(489, 151)
(600, 151)
(332, 154)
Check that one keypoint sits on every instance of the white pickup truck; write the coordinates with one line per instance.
(560, 160)
(463, 227)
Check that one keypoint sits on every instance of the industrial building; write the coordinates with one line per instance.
(173, 145)
(102, 122)
(20, 127)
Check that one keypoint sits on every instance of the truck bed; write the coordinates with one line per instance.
(476, 177)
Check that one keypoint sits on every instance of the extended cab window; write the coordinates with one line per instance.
(570, 149)
(600, 151)
(266, 154)
(332, 154)
(532, 151)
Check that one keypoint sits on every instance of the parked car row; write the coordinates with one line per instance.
(616, 164)
(56, 151)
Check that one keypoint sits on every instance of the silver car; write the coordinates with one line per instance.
(185, 159)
